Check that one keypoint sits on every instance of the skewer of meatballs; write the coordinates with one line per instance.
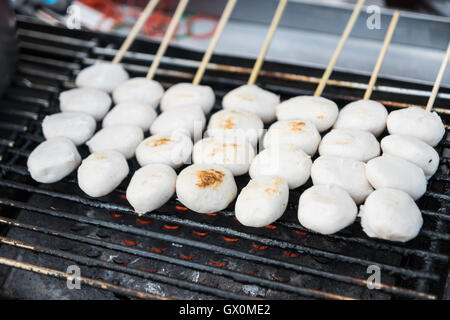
(229, 147)
(339, 174)
(123, 127)
(285, 163)
(121, 137)
(81, 108)
(345, 175)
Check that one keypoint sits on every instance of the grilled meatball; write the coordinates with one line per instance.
(233, 123)
(104, 76)
(87, 100)
(262, 201)
(412, 149)
(287, 161)
(53, 159)
(141, 90)
(320, 111)
(191, 121)
(150, 187)
(173, 150)
(391, 214)
(326, 209)
(350, 143)
(123, 138)
(235, 154)
(76, 126)
(130, 113)
(393, 172)
(302, 133)
(206, 188)
(346, 173)
(417, 122)
(363, 115)
(188, 94)
(253, 99)
(102, 172)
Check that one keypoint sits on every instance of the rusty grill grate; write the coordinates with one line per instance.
(177, 253)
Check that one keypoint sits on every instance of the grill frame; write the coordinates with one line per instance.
(284, 256)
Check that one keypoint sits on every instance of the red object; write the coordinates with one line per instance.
(131, 243)
(143, 221)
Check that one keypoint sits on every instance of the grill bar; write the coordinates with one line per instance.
(294, 226)
(91, 282)
(91, 262)
(225, 251)
(147, 254)
(267, 241)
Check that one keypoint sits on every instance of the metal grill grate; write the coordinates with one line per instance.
(178, 253)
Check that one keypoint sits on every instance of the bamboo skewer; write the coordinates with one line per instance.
(220, 26)
(167, 37)
(262, 54)
(437, 83)
(135, 30)
(386, 42)
(348, 29)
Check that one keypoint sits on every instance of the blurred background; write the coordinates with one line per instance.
(307, 35)
(120, 15)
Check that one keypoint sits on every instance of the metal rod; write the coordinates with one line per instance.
(212, 44)
(262, 54)
(348, 29)
(386, 42)
(241, 277)
(167, 37)
(91, 262)
(151, 5)
(437, 83)
(225, 251)
(225, 230)
(91, 282)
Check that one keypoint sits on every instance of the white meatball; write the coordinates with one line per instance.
(302, 133)
(130, 113)
(326, 209)
(236, 123)
(173, 150)
(102, 172)
(320, 111)
(105, 76)
(286, 161)
(76, 126)
(253, 99)
(393, 172)
(235, 154)
(150, 187)
(191, 120)
(417, 122)
(363, 115)
(346, 173)
(141, 90)
(391, 214)
(53, 159)
(87, 100)
(188, 94)
(412, 149)
(262, 202)
(206, 188)
(350, 143)
(123, 138)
